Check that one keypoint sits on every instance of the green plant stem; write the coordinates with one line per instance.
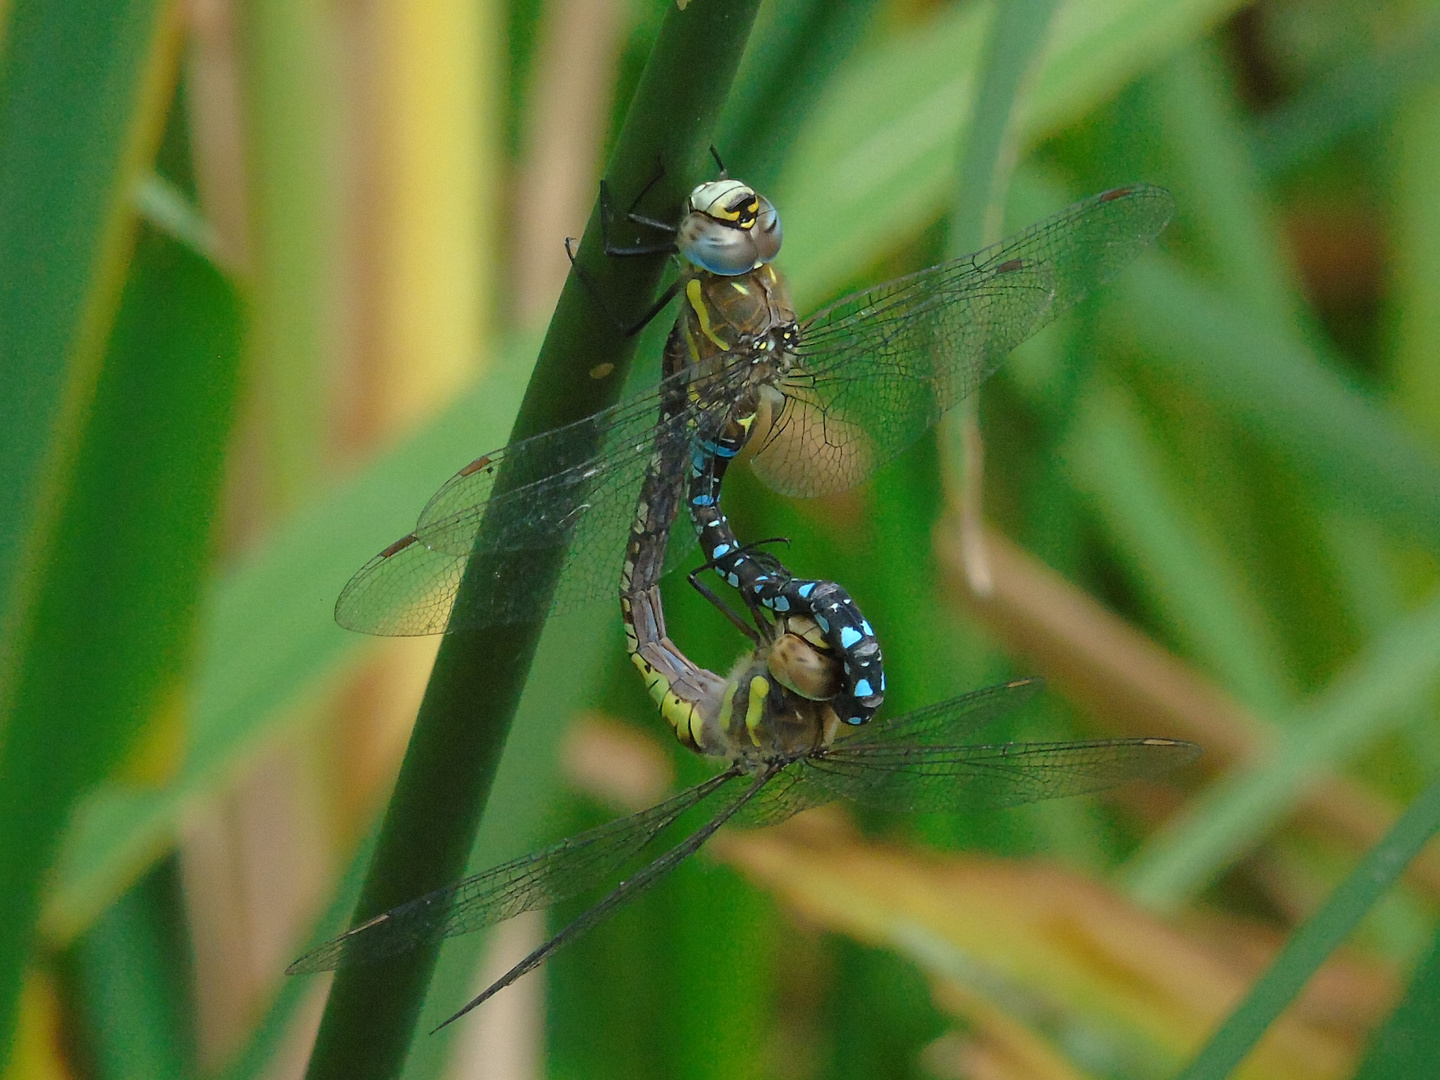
(1314, 942)
(475, 686)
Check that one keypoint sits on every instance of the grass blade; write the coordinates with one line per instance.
(1314, 942)
(1408, 1043)
(1377, 692)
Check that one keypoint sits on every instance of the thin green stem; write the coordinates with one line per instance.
(475, 686)
(1314, 942)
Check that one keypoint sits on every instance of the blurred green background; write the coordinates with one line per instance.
(270, 271)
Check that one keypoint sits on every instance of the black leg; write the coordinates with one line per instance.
(607, 217)
(654, 309)
(725, 609)
(594, 290)
(649, 185)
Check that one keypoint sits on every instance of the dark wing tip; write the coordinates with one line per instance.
(321, 958)
(329, 955)
(483, 462)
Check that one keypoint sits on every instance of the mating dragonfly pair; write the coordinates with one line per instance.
(821, 404)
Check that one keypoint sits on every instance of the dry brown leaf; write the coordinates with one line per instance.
(1052, 950)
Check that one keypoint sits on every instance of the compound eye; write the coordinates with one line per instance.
(720, 247)
(767, 232)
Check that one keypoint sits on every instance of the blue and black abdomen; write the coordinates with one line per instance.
(763, 580)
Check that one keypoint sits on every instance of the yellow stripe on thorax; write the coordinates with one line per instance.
(755, 708)
(696, 295)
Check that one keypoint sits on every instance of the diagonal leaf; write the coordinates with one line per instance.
(1380, 690)
(83, 89)
(1314, 942)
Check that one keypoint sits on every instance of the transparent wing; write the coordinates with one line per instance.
(788, 792)
(922, 779)
(947, 722)
(534, 881)
(804, 784)
(578, 487)
(880, 366)
(622, 894)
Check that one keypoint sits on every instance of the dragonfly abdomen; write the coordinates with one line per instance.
(768, 583)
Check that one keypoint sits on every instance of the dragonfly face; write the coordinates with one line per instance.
(728, 228)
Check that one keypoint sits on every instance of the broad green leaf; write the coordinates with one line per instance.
(269, 639)
(83, 87)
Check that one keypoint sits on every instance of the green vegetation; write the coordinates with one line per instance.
(269, 273)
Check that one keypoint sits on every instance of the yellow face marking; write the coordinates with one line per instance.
(696, 296)
(755, 710)
(743, 290)
(745, 213)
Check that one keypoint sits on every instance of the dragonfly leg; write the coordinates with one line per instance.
(720, 605)
(758, 613)
(607, 218)
(654, 309)
(639, 324)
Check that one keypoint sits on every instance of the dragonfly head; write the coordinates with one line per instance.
(729, 228)
(802, 662)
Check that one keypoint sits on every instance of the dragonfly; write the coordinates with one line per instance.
(788, 754)
(840, 394)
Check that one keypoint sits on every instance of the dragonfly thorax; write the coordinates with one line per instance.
(728, 228)
(775, 705)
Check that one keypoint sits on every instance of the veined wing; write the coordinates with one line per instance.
(410, 590)
(623, 893)
(882, 365)
(947, 722)
(577, 489)
(924, 778)
(788, 792)
(533, 881)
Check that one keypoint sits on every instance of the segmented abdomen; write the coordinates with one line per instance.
(770, 584)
